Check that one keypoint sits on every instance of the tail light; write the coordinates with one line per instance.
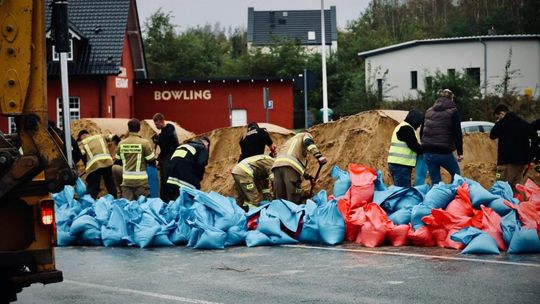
(47, 212)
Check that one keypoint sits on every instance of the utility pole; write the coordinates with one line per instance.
(323, 53)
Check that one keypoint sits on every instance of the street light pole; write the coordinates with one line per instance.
(323, 54)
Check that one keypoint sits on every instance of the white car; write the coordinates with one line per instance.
(476, 126)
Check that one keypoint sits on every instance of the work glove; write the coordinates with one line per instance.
(308, 177)
(322, 160)
(273, 152)
(267, 197)
(116, 139)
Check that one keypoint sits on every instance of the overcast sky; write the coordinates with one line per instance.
(233, 13)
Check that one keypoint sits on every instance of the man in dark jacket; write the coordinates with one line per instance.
(187, 166)
(254, 141)
(515, 146)
(441, 135)
(404, 148)
(167, 140)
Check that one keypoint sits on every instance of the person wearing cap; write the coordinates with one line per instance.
(167, 140)
(290, 166)
(252, 178)
(135, 153)
(516, 145)
(404, 148)
(98, 161)
(187, 166)
(441, 136)
(253, 142)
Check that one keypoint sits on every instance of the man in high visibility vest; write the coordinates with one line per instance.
(404, 149)
(252, 178)
(290, 165)
(95, 151)
(187, 166)
(135, 153)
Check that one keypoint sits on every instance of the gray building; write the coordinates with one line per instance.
(304, 26)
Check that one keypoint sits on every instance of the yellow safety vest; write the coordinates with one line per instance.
(96, 151)
(399, 152)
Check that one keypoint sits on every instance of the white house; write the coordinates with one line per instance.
(400, 71)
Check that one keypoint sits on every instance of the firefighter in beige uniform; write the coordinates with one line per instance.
(135, 153)
(252, 178)
(290, 165)
(99, 161)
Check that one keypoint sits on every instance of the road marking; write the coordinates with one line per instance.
(139, 292)
(395, 282)
(414, 255)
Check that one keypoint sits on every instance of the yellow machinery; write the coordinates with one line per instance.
(32, 162)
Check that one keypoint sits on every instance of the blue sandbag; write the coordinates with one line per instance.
(499, 206)
(257, 238)
(287, 212)
(421, 170)
(269, 225)
(524, 241)
(482, 244)
(509, 224)
(477, 241)
(88, 230)
(181, 234)
(115, 232)
(389, 197)
(342, 183)
(310, 229)
(410, 199)
(64, 238)
(153, 180)
(236, 235)
(207, 237)
(479, 195)
(417, 213)
(145, 230)
(80, 188)
(65, 196)
(504, 190)
(320, 198)
(161, 239)
(401, 217)
(379, 182)
(440, 196)
(330, 223)
(103, 208)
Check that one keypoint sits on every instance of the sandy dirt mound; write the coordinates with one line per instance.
(224, 153)
(182, 133)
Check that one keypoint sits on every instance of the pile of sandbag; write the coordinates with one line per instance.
(461, 215)
(196, 219)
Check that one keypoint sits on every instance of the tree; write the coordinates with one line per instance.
(505, 87)
(160, 45)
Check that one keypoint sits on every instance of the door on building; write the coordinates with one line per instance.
(239, 117)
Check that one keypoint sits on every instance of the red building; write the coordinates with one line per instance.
(203, 105)
(106, 54)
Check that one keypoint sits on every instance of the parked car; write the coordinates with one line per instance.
(476, 126)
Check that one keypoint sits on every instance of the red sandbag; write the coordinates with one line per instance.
(439, 237)
(446, 220)
(373, 231)
(398, 235)
(461, 205)
(422, 237)
(531, 190)
(491, 224)
(527, 214)
(362, 186)
(344, 207)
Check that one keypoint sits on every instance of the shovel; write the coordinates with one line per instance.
(314, 180)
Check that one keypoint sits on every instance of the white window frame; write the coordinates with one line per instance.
(312, 36)
(56, 56)
(12, 127)
(74, 110)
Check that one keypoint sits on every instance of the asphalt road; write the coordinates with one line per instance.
(292, 274)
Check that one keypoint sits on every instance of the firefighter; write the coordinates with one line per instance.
(254, 141)
(252, 178)
(98, 161)
(290, 165)
(167, 140)
(187, 166)
(135, 152)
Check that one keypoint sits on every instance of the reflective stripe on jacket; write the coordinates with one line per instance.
(97, 152)
(257, 167)
(135, 152)
(399, 152)
(294, 152)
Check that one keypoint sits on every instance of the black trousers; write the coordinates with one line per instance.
(164, 165)
(93, 181)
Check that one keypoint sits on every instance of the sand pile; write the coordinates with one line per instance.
(224, 153)
(362, 138)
